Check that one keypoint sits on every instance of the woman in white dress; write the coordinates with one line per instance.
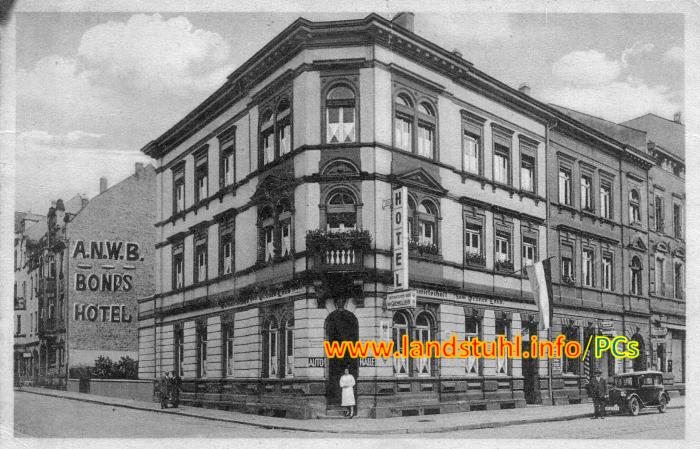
(347, 382)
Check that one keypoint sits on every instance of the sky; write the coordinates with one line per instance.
(94, 88)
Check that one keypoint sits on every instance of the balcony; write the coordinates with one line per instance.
(338, 251)
(47, 285)
(20, 304)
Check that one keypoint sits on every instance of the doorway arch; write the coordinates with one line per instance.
(639, 363)
(340, 325)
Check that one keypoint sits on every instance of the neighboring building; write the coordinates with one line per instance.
(29, 228)
(666, 216)
(97, 261)
(274, 228)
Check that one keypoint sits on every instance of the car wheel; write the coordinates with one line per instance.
(662, 404)
(633, 406)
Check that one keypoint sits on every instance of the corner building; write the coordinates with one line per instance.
(274, 228)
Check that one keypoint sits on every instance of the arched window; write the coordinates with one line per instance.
(423, 329)
(636, 276)
(267, 143)
(284, 217)
(289, 348)
(284, 126)
(471, 331)
(399, 329)
(341, 211)
(426, 130)
(272, 342)
(340, 114)
(403, 123)
(635, 214)
(502, 328)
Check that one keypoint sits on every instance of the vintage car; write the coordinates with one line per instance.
(632, 392)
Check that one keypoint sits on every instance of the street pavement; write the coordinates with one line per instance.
(50, 413)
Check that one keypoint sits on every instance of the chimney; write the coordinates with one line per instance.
(524, 88)
(103, 184)
(457, 53)
(677, 117)
(404, 19)
(139, 167)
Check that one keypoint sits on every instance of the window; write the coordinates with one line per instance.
(567, 269)
(587, 267)
(472, 241)
(636, 276)
(19, 324)
(472, 153)
(421, 118)
(678, 280)
(227, 164)
(403, 123)
(286, 244)
(606, 200)
(502, 246)
(267, 231)
(471, 332)
(272, 337)
(228, 348)
(267, 141)
(635, 214)
(570, 365)
(226, 228)
(426, 130)
(586, 200)
(179, 349)
(565, 186)
(607, 272)
(659, 213)
(201, 349)
(275, 232)
(275, 131)
(527, 173)
(340, 115)
(423, 334)
(289, 348)
(501, 164)
(399, 329)
(179, 189)
(426, 223)
(341, 211)
(200, 256)
(529, 251)
(201, 178)
(502, 328)
(677, 221)
(178, 266)
(422, 226)
(660, 281)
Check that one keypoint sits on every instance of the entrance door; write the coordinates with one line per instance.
(676, 365)
(531, 378)
(341, 325)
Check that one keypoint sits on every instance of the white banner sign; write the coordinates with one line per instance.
(402, 300)
(399, 232)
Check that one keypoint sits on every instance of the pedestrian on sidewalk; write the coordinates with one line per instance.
(175, 385)
(163, 390)
(598, 390)
(347, 382)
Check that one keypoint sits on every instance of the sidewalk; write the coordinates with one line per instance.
(404, 425)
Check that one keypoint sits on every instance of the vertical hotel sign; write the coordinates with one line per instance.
(399, 233)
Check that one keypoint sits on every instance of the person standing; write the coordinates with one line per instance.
(176, 384)
(163, 390)
(598, 390)
(347, 382)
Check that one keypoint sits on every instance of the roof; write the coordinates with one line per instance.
(37, 230)
(629, 135)
(634, 373)
(666, 133)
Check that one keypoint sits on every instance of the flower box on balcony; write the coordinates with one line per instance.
(423, 248)
(569, 280)
(338, 250)
(504, 265)
(475, 259)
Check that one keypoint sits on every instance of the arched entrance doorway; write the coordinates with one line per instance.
(531, 378)
(341, 325)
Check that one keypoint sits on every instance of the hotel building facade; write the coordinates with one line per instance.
(274, 229)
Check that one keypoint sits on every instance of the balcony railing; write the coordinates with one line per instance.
(338, 251)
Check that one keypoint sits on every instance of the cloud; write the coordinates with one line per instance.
(151, 54)
(637, 49)
(72, 139)
(617, 101)
(675, 54)
(586, 68)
